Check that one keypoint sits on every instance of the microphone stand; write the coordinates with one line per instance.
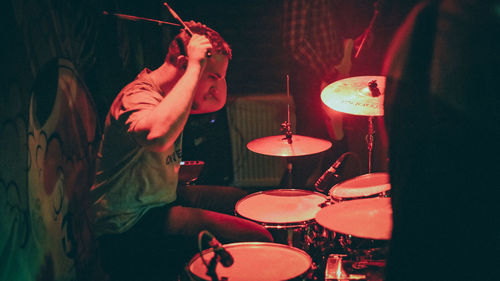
(211, 268)
(213, 261)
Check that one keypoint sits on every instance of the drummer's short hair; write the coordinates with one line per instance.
(178, 46)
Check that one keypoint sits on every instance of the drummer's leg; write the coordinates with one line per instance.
(189, 222)
(213, 208)
(220, 199)
(182, 226)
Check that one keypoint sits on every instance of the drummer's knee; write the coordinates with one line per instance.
(266, 236)
(257, 233)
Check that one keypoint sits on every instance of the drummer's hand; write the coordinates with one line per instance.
(197, 49)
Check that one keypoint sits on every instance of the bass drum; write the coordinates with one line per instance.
(255, 261)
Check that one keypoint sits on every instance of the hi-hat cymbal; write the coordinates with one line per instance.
(353, 96)
(364, 218)
(279, 146)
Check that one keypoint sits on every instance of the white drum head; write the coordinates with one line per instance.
(362, 186)
(256, 261)
(369, 218)
(281, 206)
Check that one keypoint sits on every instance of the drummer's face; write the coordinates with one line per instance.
(211, 91)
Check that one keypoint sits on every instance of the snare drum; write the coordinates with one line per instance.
(287, 213)
(256, 261)
(364, 186)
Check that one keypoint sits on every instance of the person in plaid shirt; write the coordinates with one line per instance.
(319, 36)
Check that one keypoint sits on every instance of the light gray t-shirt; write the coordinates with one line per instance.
(130, 178)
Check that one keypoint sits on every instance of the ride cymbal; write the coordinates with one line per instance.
(356, 95)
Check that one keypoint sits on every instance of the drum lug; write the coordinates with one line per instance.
(327, 203)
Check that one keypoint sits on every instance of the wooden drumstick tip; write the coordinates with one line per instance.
(174, 14)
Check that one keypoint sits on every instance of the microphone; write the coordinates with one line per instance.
(325, 181)
(225, 257)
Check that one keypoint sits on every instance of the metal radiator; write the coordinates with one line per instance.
(251, 117)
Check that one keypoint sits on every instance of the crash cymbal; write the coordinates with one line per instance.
(364, 218)
(353, 95)
(279, 145)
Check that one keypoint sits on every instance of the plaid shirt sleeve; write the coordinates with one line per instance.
(309, 34)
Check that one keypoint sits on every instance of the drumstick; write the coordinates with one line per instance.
(135, 18)
(174, 14)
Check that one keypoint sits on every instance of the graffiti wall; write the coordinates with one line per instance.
(47, 169)
(49, 133)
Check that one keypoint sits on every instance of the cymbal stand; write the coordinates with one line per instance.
(375, 92)
(370, 137)
(286, 129)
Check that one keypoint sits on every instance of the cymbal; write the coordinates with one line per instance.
(279, 146)
(353, 96)
(364, 218)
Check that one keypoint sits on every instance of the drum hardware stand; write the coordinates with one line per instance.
(375, 92)
(287, 131)
(211, 266)
(370, 140)
(211, 269)
(335, 270)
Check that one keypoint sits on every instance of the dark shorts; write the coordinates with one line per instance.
(166, 238)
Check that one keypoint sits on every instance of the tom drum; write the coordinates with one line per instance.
(287, 213)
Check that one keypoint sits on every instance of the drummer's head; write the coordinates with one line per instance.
(211, 89)
(178, 46)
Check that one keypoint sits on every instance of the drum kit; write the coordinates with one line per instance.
(342, 235)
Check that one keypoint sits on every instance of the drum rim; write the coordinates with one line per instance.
(278, 225)
(281, 189)
(356, 235)
(267, 244)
